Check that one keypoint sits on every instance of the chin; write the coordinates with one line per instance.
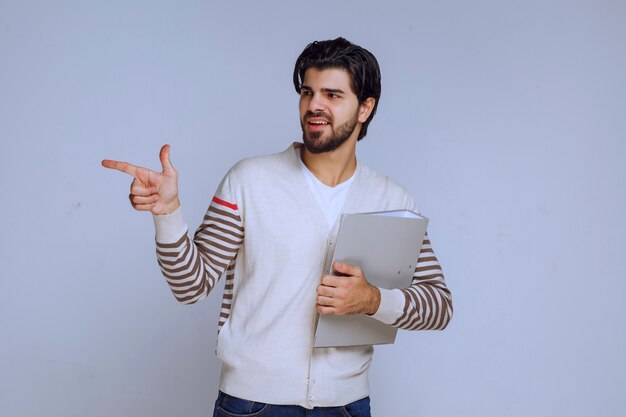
(321, 145)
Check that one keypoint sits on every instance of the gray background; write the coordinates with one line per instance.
(505, 119)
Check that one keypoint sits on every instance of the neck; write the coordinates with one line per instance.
(332, 168)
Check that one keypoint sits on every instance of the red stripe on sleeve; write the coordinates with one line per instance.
(225, 203)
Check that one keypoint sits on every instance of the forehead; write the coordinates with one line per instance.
(334, 78)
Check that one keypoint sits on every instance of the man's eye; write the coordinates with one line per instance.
(305, 93)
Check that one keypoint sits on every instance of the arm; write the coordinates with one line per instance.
(191, 268)
(425, 305)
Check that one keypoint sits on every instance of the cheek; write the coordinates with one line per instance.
(302, 108)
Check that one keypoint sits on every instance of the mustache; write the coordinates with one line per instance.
(310, 114)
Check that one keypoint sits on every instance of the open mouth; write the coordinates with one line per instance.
(317, 124)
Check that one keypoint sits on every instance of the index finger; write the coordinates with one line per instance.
(124, 167)
(330, 280)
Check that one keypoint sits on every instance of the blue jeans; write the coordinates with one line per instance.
(229, 406)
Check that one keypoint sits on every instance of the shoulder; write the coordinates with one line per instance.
(264, 167)
(254, 178)
(387, 188)
(376, 178)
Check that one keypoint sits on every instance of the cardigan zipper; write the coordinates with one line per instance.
(330, 241)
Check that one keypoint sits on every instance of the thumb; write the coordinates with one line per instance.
(347, 269)
(168, 168)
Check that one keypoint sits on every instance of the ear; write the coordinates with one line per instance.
(366, 109)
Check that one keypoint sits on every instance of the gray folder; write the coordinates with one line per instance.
(385, 245)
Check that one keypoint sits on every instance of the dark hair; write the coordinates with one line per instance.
(340, 53)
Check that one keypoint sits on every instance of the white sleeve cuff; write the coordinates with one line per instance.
(391, 306)
(169, 227)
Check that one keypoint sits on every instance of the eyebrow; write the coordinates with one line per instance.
(324, 90)
(332, 90)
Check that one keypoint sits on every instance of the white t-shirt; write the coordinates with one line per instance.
(330, 199)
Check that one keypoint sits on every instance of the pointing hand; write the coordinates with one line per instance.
(152, 191)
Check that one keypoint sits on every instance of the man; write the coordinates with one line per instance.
(268, 228)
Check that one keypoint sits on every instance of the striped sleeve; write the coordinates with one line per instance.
(427, 302)
(192, 268)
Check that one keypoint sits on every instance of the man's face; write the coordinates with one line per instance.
(329, 110)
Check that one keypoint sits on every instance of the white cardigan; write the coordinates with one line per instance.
(265, 229)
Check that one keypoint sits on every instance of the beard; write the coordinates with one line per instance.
(314, 143)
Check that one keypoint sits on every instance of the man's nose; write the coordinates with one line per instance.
(316, 104)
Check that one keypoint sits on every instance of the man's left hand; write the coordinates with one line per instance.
(349, 293)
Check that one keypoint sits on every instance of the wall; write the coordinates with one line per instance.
(504, 119)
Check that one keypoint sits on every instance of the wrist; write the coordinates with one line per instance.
(171, 207)
(374, 300)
